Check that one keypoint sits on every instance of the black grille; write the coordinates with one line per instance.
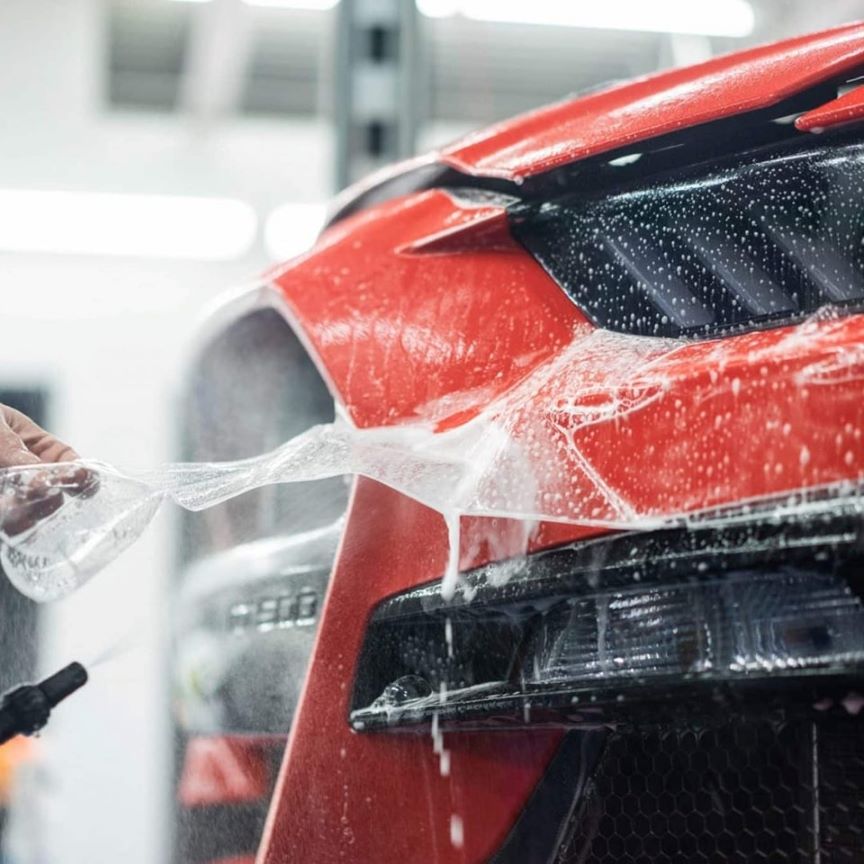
(743, 792)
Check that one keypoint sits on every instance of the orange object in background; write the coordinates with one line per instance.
(12, 755)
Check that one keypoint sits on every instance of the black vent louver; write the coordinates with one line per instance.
(759, 240)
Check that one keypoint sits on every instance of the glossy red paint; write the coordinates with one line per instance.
(410, 320)
(845, 109)
(754, 415)
(658, 104)
(383, 798)
(406, 334)
(440, 336)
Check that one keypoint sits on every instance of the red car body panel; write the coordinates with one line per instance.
(382, 797)
(407, 337)
(844, 109)
(423, 308)
(508, 308)
(403, 334)
(656, 105)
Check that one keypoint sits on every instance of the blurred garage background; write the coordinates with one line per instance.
(156, 152)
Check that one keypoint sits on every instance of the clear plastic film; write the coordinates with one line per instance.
(60, 524)
(562, 446)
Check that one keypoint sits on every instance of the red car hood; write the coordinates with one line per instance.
(656, 105)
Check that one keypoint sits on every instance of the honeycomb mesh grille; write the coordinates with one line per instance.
(738, 793)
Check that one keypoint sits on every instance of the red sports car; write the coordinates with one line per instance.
(613, 610)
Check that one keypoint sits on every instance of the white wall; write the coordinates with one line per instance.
(108, 337)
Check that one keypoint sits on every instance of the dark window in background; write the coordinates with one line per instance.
(18, 615)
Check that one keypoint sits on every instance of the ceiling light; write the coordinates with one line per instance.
(291, 229)
(310, 5)
(718, 18)
(150, 226)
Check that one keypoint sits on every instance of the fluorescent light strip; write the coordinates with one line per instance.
(291, 229)
(309, 5)
(715, 18)
(147, 226)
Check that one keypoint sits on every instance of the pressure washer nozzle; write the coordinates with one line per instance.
(26, 709)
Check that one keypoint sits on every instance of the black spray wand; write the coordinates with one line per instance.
(26, 708)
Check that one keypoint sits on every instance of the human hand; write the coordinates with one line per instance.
(23, 442)
(30, 495)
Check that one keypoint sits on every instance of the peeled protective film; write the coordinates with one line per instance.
(564, 445)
